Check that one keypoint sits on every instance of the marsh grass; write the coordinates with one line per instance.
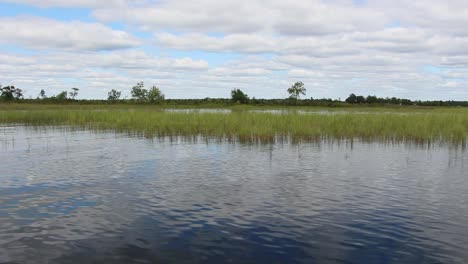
(448, 125)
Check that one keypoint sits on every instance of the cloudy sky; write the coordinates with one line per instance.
(416, 49)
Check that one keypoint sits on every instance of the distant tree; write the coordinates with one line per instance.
(9, 93)
(372, 99)
(352, 99)
(73, 93)
(62, 96)
(18, 93)
(406, 102)
(360, 99)
(238, 96)
(113, 95)
(42, 94)
(139, 92)
(155, 95)
(296, 90)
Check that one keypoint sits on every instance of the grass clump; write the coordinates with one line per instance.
(441, 125)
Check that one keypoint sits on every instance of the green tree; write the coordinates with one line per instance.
(139, 92)
(352, 99)
(113, 95)
(372, 99)
(406, 102)
(296, 90)
(73, 93)
(62, 96)
(9, 93)
(360, 99)
(42, 94)
(155, 95)
(237, 96)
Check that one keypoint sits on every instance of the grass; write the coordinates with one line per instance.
(448, 125)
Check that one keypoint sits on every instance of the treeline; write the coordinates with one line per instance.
(11, 93)
(196, 102)
(141, 95)
(372, 100)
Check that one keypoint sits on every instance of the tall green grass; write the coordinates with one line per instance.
(444, 125)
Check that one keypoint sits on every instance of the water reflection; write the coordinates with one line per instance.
(198, 110)
(283, 111)
(82, 197)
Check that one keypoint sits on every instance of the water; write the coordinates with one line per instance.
(282, 111)
(267, 111)
(198, 110)
(84, 197)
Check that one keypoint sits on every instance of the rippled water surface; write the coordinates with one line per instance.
(84, 197)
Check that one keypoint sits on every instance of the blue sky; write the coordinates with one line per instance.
(412, 49)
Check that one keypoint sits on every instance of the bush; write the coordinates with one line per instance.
(113, 95)
(237, 96)
(155, 95)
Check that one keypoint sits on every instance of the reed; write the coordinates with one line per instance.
(429, 125)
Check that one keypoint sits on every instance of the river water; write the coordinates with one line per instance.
(78, 196)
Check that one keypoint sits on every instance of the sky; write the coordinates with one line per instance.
(416, 49)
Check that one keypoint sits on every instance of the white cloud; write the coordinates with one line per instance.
(382, 47)
(295, 17)
(43, 33)
(93, 73)
(75, 3)
(319, 18)
(448, 16)
(204, 15)
(232, 43)
(392, 40)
